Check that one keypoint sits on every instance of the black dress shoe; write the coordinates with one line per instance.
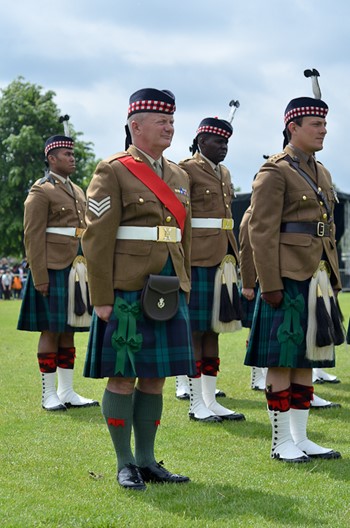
(156, 472)
(208, 419)
(129, 477)
(184, 396)
(330, 405)
(327, 456)
(233, 416)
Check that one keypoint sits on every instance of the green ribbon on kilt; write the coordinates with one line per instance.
(290, 333)
(125, 341)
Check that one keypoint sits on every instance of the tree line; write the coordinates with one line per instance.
(28, 116)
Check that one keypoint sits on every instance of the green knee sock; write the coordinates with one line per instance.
(147, 413)
(117, 411)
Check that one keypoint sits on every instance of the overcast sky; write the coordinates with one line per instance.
(94, 53)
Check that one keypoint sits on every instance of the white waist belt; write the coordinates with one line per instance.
(157, 234)
(213, 223)
(75, 232)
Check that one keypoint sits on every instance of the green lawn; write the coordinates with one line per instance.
(46, 458)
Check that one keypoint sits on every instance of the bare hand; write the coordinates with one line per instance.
(104, 312)
(43, 289)
(273, 298)
(248, 293)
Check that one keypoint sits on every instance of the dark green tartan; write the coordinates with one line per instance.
(264, 350)
(201, 299)
(39, 313)
(166, 348)
(348, 334)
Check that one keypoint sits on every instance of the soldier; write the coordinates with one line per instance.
(212, 239)
(138, 225)
(53, 223)
(249, 291)
(292, 234)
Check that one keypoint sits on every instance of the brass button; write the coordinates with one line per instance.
(227, 206)
(225, 195)
(141, 200)
(79, 211)
(324, 216)
(319, 189)
(304, 197)
(187, 202)
(207, 191)
(223, 184)
(81, 221)
(63, 209)
(321, 203)
(168, 219)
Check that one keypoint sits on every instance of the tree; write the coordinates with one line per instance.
(28, 116)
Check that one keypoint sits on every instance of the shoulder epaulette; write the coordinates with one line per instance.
(47, 178)
(186, 159)
(277, 157)
(115, 157)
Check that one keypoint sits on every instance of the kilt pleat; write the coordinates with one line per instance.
(202, 295)
(39, 313)
(166, 348)
(264, 348)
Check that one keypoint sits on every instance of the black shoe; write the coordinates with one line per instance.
(233, 416)
(220, 394)
(208, 419)
(329, 405)
(156, 472)
(327, 456)
(184, 396)
(129, 477)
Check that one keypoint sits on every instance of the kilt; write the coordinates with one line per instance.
(165, 348)
(202, 296)
(264, 347)
(39, 313)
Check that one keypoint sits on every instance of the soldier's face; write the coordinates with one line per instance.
(310, 135)
(62, 161)
(156, 131)
(214, 147)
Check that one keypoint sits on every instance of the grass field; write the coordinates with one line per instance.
(58, 469)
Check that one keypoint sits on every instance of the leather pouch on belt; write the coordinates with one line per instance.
(160, 297)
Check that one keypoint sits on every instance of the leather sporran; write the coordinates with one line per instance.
(160, 297)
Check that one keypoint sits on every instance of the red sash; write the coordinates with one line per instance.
(145, 174)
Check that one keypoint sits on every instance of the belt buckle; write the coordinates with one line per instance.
(320, 229)
(166, 234)
(227, 224)
(78, 232)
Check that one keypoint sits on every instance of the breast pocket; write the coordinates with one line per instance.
(60, 214)
(204, 198)
(304, 205)
(140, 205)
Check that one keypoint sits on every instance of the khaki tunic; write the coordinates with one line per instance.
(50, 204)
(126, 201)
(211, 197)
(246, 261)
(280, 195)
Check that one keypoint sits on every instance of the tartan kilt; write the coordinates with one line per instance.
(166, 348)
(202, 296)
(248, 308)
(264, 349)
(39, 313)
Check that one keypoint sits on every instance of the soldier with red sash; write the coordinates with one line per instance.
(138, 225)
(296, 322)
